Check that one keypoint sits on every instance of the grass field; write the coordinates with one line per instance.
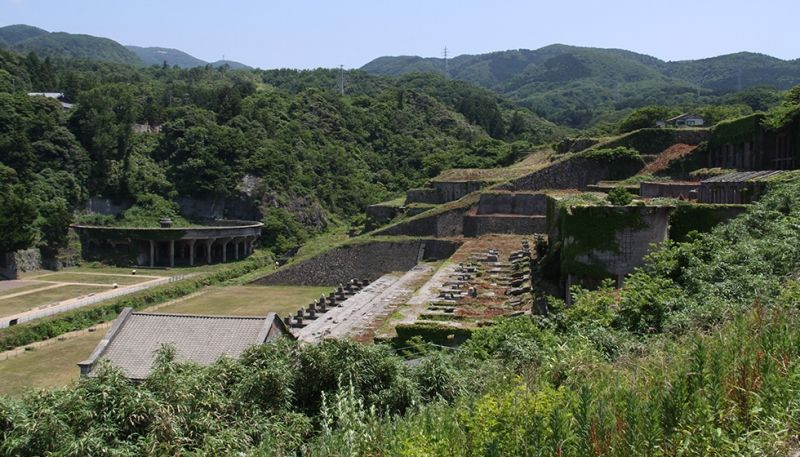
(248, 300)
(93, 278)
(23, 288)
(124, 271)
(14, 305)
(54, 365)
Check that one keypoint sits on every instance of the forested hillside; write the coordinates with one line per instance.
(285, 142)
(580, 86)
(24, 39)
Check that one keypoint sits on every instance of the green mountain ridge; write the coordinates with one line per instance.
(157, 56)
(25, 38)
(573, 85)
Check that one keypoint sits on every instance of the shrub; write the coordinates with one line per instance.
(620, 196)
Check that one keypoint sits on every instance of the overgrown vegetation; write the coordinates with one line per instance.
(696, 354)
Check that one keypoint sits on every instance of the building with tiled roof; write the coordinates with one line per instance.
(134, 339)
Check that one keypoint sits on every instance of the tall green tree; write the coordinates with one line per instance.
(103, 124)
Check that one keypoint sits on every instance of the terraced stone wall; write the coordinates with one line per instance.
(369, 260)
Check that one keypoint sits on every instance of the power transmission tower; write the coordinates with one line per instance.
(341, 80)
(444, 54)
(739, 80)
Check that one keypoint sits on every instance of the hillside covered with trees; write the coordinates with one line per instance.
(580, 86)
(284, 141)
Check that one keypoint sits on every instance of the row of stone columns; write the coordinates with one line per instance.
(242, 243)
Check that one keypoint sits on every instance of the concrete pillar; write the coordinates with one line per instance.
(191, 252)
(152, 253)
(171, 253)
(209, 242)
(237, 242)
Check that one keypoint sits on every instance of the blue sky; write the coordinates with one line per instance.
(317, 33)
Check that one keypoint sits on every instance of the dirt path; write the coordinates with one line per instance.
(662, 161)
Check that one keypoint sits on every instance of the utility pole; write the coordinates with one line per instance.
(341, 80)
(445, 63)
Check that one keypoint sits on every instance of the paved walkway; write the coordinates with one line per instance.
(358, 312)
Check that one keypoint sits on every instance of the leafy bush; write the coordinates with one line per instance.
(612, 154)
(620, 196)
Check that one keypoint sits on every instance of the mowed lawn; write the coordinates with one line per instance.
(248, 300)
(18, 304)
(54, 365)
(22, 286)
(89, 278)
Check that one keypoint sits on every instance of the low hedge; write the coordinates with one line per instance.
(432, 333)
(81, 318)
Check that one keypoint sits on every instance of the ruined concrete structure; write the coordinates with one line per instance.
(670, 189)
(507, 212)
(168, 246)
(443, 191)
(597, 242)
(368, 260)
(736, 188)
(746, 144)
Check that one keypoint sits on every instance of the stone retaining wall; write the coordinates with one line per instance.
(422, 195)
(667, 189)
(382, 214)
(362, 260)
(574, 173)
(512, 203)
(440, 225)
(443, 192)
(477, 225)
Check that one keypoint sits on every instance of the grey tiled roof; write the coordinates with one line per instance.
(744, 176)
(131, 344)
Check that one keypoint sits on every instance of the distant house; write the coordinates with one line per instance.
(54, 95)
(134, 339)
(684, 120)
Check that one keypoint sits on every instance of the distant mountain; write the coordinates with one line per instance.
(576, 85)
(232, 64)
(157, 56)
(13, 34)
(24, 38)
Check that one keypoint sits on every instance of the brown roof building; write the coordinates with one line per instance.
(132, 342)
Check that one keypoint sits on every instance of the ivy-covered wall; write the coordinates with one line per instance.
(596, 241)
(699, 217)
(764, 135)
